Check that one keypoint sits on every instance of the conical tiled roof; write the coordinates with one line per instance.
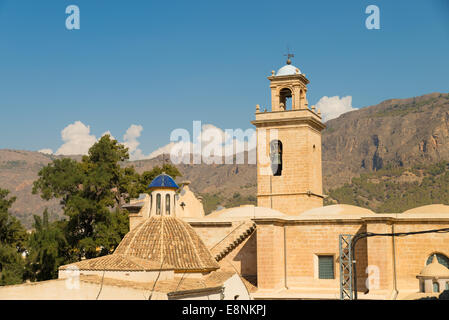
(117, 262)
(168, 240)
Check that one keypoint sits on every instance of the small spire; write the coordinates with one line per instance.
(289, 55)
(257, 108)
(434, 259)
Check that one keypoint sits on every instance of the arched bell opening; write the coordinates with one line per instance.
(285, 99)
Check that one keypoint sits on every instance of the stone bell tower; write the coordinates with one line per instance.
(289, 172)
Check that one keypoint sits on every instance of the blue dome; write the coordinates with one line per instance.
(163, 181)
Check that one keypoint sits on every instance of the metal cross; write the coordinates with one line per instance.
(289, 55)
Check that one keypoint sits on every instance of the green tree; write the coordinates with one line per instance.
(47, 248)
(13, 238)
(92, 192)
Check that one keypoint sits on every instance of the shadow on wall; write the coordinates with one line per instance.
(248, 259)
(443, 296)
(361, 256)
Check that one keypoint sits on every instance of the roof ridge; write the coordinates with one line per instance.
(162, 240)
(221, 241)
(237, 236)
(192, 244)
(134, 236)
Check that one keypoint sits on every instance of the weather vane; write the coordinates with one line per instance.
(289, 55)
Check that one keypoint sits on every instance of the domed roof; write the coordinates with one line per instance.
(245, 212)
(117, 262)
(435, 269)
(432, 208)
(337, 210)
(163, 181)
(287, 70)
(168, 240)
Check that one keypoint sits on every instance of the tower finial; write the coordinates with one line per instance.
(289, 55)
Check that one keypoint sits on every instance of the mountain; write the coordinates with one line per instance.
(396, 189)
(397, 133)
(18, 170)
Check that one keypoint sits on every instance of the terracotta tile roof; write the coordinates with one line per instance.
(168, 240)
(164, 286)
(233, 239)
(118, 262)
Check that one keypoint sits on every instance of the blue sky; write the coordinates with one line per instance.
(162, 64)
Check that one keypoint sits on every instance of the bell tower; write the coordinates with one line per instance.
(289, 172)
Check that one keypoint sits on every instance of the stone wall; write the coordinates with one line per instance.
(301, 171)
(390, 260)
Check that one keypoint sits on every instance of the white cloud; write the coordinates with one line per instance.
(214, 142)
(131, 142)
(168, 148)
(333, 107)
(46, 151)
(77, 139)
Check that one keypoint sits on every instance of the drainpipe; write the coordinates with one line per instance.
(285, 257)
(395, 285)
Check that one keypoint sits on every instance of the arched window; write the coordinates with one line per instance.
(447, 286)
(174, 204)
(276, 157)
(158, 203)
(442, 259)
(151, 201)
(167, 204)
(436, 287)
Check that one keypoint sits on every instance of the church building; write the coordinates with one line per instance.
(289, 246)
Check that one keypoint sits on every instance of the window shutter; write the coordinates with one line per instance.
(326, 267)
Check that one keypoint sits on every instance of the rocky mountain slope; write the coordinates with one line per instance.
(394, 133)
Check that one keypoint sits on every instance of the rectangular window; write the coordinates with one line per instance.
(326, 267)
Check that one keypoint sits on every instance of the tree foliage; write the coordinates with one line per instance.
(92, 192)
(396, 189)
(47, 248)
(13, 239)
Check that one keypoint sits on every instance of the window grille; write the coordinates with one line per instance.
(326, 267)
